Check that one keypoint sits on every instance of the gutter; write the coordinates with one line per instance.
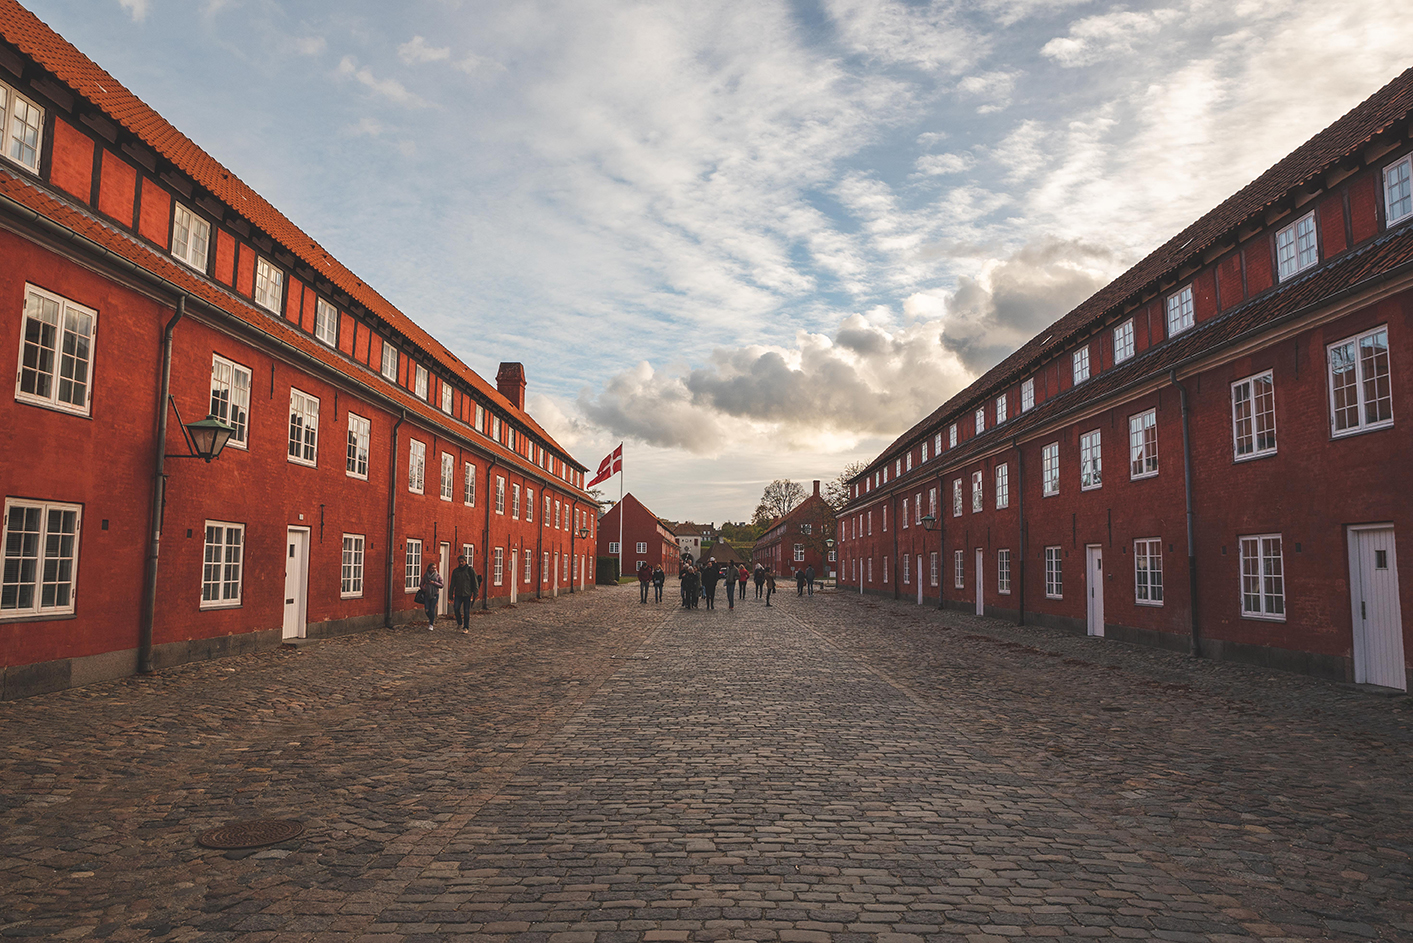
(392, 521)
(1196, 648)
(1020, 527)
(159, 498)
(486, 540)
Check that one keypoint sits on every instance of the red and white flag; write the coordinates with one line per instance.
(612, 463)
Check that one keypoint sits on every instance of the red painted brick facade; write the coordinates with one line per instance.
(799, 540)
(641, 529)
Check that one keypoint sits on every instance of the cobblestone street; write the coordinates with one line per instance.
(831, 768)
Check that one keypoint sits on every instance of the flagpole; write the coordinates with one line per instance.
(621, 512)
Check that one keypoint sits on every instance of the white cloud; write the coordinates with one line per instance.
(390, 89)
(473, 64)
(310, 45)
(937, 164)
(1099, 38)
(137, 9)
(994, 87)
(929, 36)
(417, 50)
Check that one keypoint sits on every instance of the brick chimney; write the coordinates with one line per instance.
(510, 380)
(816, 487)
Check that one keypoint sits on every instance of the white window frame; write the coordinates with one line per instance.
(515, 502)
(905, 514)
(191, 237)
(642, 546)
(529, 574)
(500, 495)
(1297, 247)
(937, 444)
(1001, 409)
(495, 428)
(613, 546)
(416, 466)
(468, 485)
(934, 570)
(326, 323)
(956, 497)
(230, 398)
(446, 398)
(1050, 470)
(389, 362)
(910, 459)
(1180, 312)
(907, 569)
(1383, 385)
(16, 108)
(1003, 572)
(1091, 461)
(351, 567)
(932, 502)
(269, 285)
(980, 420)
(1028, 395)
(226, 565)
(500, 566)
(412, 565)
(1253, 416)
(959, 569)
(1079, 365)
(1143, 446)
(978, 495)
(62, 355)
(360, 432)
(480, 419)
(800, 554)
(1054, 573)
(448, 478)
(51, 571)
(952, 436)
(1269, 581)
(420, 382)
(529, 505)
(1123, 341)
(1003, 485)
(303, 428)
(1148, 571)
(1398, 191)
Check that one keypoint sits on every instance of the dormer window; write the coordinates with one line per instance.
(1028, 395)
(21, 126)
(981, 420)
(1398, 191)
(446, 399)
(420, 383)
(269, 285)
(191, 235)
(1180, 315)
(1000, 409)
(952, 436)
(389, 361)
(326, 322)
(1296, 246)
(1123, 341)
(1081, 365)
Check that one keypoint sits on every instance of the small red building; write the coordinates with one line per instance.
(645, 539)
(800, 539)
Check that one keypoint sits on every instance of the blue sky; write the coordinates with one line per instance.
(750, 240)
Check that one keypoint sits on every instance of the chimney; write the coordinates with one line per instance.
(510, 380)
(816, 487)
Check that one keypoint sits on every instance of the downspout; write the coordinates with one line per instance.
(486, 539)
(941, 546)
(540, 556)
(159, 497)
(896, 582)
(1020, 527)
(392, 523)
(1196, 647)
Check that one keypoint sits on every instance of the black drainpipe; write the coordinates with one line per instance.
(159, 497)
(486, 539)
(1196, 648)
(1020, 499)
(896, 583)
(392, 523)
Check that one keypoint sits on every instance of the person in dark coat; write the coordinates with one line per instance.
(760, 580)
(728, 573)
(691, 586)
(809, 578)
(711, 575)
(645, 575)
(799, 582)
(769, 585)
(431, 588)
(463, 585)
(659, 578)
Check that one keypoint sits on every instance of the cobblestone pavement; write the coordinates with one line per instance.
(831, 768)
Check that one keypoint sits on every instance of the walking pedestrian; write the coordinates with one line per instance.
(430, 590)
(711, 575)
(743, 577)
(809, 578)
(645, 575)
(729, 574)
(463, 587)
(769, 585)
(799, 582)
(659, 577)
(760, 580)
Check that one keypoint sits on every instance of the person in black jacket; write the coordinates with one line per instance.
(463, 585)
(799, 582)
(659, 578)
(711, 575)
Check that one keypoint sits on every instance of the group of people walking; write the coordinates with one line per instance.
(698, 583)
(464, 587)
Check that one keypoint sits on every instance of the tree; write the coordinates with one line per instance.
(836, 491)
(780, 497)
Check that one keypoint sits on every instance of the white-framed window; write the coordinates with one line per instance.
(1091, 462)
(389, 361)
(934, 566)
(230, 398)
(832, 556)
(360, 430)
(952, 436)
(976, 491)
(910, 460)
(959, 570)
(1180, 313)
(800, 555)
(556, 513)
(469, 551)
(932, 503)
(1050, 469)
(1123, 341)
(545, 568)
(269, 285)
(922, 455)
(1028, 395)
(351, 571)
(956, 497)
(547, 509)
(499, 566)
(529, 505)
(56, 353)
(870, 569)
(528, 575)
(1003, 572)
(1361, 394)
(446, 398)
(642, 546)
(420, 382)
(303, 427)
(1000, 409)
(937, 444)
(1148, 571)
(917, 508)
(885, 569)
(500, 495)
(907, 568)
(905, 514)
(1003, 485)
(416, 466)
(613, 548)
(515, 501)
(1297, 247)
(885, 518)
(897, 467)
(1262, 577)
(480, 419)
(1080, 365)
(980, 417)
(1143, 444)
(41, 541)
(1253, 416)
(21, 127)
(223, 564)
(448, 477)
(412, 566)
(1054, 576)
(495, 428)
(191, 237)
(326, 323)
(1398, 191)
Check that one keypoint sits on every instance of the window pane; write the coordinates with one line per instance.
(1374, 368)
(1344, 386)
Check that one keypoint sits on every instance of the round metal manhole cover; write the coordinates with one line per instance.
(250, 834)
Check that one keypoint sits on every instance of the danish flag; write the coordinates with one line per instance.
(612, 462)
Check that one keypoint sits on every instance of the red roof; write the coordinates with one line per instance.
(35, 39)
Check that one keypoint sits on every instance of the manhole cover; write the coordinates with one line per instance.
(250, 834)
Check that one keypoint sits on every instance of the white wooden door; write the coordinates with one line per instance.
(1094, 580)
(514, 558)
(444, 568)
(1378, 619)
(296, 582)
(980, 569)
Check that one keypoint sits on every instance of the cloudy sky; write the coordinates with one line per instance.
(751, 240)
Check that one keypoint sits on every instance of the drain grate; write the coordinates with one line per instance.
(250, 834)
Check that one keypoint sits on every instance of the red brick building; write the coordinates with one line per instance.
(1205, 455)
(800, 539)
(645, 538)
(143, 284)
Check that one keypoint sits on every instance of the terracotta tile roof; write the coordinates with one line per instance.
(1385, 108)
(35, 39)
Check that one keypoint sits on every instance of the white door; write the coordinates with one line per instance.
(444, 568)
(980, 569)
(514, 556)
(556, 573)
(1378, 620)
(1094, 578)
(919, 579)
(296, 582)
